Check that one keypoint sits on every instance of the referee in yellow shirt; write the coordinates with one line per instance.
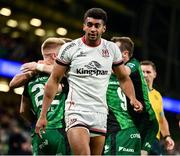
(149, 71)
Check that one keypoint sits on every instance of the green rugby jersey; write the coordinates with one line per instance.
(35, 91)
(140, 87)
(118, 117)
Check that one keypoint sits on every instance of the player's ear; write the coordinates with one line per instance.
(104, 28)
(54, 55)
(84, 27)
(125, 53)
(155, 74)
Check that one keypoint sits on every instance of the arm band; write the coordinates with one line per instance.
(166, 136)
(40, 67)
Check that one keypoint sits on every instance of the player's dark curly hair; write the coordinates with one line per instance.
(96, 13)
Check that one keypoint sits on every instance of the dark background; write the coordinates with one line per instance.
(152, 24)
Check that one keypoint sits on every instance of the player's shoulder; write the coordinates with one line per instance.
(107, 42)
(109, 45)
(133, 61)
(70, 47)
(133, 64)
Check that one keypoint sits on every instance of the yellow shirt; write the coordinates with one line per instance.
(157, 105)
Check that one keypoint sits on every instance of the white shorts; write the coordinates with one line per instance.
(94, 122)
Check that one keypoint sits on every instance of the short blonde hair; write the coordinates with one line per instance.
(51, 41)
(66, 39)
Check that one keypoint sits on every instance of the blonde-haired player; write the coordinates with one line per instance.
(53, 141)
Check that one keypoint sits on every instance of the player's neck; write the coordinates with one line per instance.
(91, 43)
(150, 87)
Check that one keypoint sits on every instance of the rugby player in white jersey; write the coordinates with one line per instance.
(90, 60)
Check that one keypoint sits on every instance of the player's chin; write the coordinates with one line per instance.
(92, 37)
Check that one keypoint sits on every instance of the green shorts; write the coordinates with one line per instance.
(53, 142)
(148, 133)
(124, 142)
(157, 148)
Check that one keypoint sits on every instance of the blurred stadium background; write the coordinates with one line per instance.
(24, 24)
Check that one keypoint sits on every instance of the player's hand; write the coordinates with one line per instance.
(41, 126)
(138, 107)
(31, 66)
(47, 62)
(169, 143)
(41, 61)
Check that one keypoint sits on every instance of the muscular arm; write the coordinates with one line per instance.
(25, 109)
(164, 129)
(41, 66)
(128, 70)
(49, 94)
(124, 81)
(47, 68)
(28, 70)
(51, 87)
(127, 86)
(20, 79)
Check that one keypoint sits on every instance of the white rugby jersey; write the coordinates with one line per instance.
(90, 70)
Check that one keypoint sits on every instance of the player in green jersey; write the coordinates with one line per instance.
(122, 136)
(54, 140)
(145, 121)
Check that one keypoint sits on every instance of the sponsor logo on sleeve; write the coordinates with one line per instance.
(131, 65)
(67, 48)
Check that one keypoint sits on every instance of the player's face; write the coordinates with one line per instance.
(125, 53)
(50, 54)
(149, 73)
(93, 28)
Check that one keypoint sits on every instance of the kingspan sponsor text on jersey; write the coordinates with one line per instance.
(91, 71)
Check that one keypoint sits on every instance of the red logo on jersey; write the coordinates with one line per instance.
(70, 104)
(105, 53)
